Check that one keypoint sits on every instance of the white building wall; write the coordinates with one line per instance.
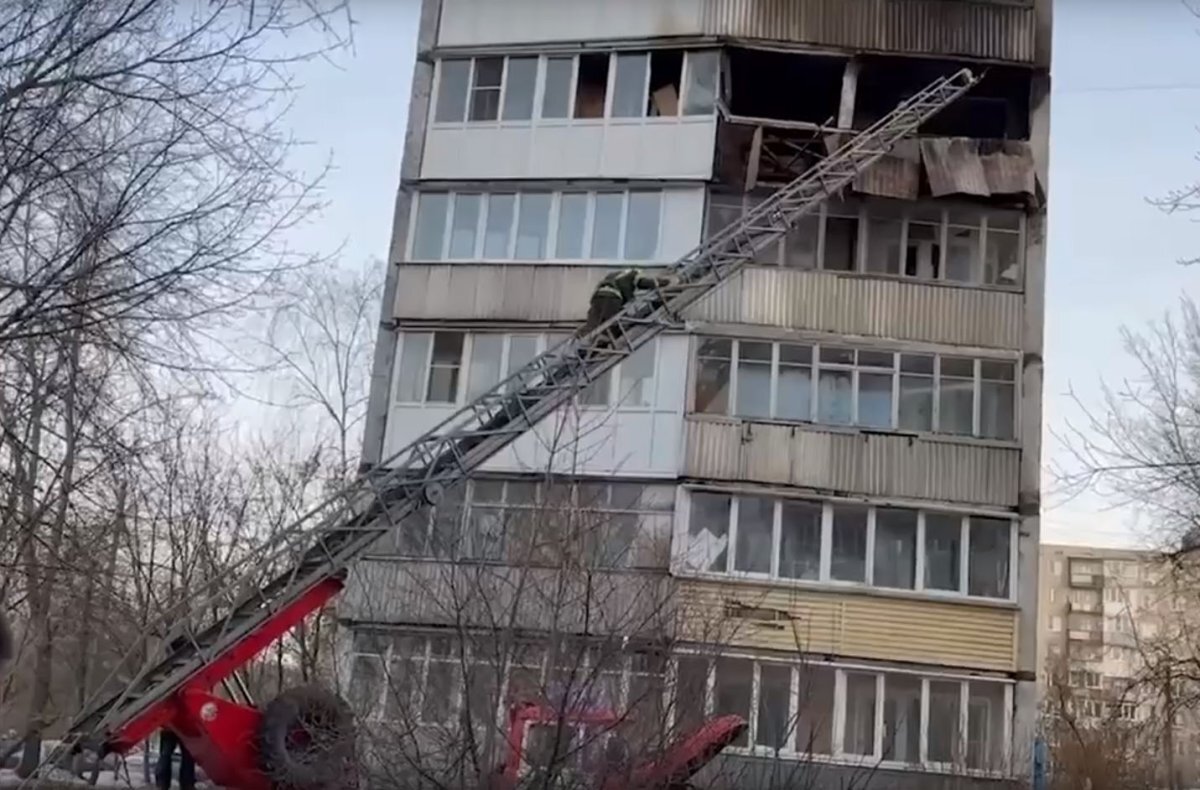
(468, 22)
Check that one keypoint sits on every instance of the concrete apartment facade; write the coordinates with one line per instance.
(1102, 612)
(829, 482)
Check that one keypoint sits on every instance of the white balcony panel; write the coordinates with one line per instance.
(474, 22)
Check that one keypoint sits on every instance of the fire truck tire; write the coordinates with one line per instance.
(306, 740)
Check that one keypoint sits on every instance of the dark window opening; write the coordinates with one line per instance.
(592, 87)
(841, 244)
(996, 108)
(785, 86)
(666, 75)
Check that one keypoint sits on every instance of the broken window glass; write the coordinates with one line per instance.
(414, 354)
(800, 540)
(1002, 261)
(641, 225)
(606, 226)
(895, 547)
(497, 232)
(988, 557)
(916, 392)
(572, 223)
(944, 704)
(923, 256)
(774, 693)
(464, 229)
(732, 687)
(754, 379)
(485, 89)
(708, 532)
(452, 91)
(956, 400)
(700, 95)
(902, 718)
(592, 87)
(962, 253)
(629, 89)
(997, 399)
(859, 735)
(556, 94)
(814, 725)
(849, 550)
(430, 232)
(533, 226)
(518, 89)
(841, 244)
(943, 550)
(793, 398)
(713, 361)
(756, 517)
(666, 72)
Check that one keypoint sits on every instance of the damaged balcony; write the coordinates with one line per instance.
(976, 149)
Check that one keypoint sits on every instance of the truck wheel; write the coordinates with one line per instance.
(306, 740)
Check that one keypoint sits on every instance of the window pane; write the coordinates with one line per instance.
(835, 397)
(556, 99)
(438, 696)
(403, 677)
(800, 244)
(962, 251)
(714, 359)
(498, 229)
(985, 726)
(533, 226)
(708, 532)
(465, 226)
(754, 379)
(814, 715)
(641, 226)
(916, 393)
(987, 572)
(1003, 263)
(997, 407)
(883, 246)
(637, 378)
(485, 89)
(598, 392)
(944, 704)
(923, 251)
(366, 685)
(755, 527)
(875, 400)
(841, 244)
(895, 547)
(410, 379)
(800, 540)
(444, 367)
(734, 677)
(957, 398)
(452, 91)
(859, 734)
(902, 718)
(793, 397)
(700, 95)
(774, 692)
(592, 86)
(629, 93)
(431, 226)
(484, 372)
(943, 539)
(606, 226)
(521, 350)
(518, 91)
(572, 219)
(849, 543)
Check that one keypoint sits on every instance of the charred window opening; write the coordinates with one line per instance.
(785, 86)
(666, 75)
(592, 88)
(996, 108)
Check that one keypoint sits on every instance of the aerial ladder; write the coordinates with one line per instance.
(245, 616)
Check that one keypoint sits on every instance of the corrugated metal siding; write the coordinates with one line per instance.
(866, 306)
(856, 626)
(1001, 31)
(495, 292)
(427, 593)
(863, 463)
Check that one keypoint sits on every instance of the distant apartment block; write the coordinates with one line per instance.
(820, 497)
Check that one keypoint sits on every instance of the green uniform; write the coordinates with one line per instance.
(615, 290)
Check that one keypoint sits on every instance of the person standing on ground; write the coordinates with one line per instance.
(168, 741)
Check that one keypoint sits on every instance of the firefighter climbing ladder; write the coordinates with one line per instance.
(344, 526)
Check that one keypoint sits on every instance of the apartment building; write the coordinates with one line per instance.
(820, 496)
(1111, 620)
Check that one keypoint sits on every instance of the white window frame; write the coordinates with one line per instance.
(825, 579)
(539, 91)
(552, 226)
(816, 367)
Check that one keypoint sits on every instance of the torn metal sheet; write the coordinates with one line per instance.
(896, 175)
(953, 166)
(1009, 168)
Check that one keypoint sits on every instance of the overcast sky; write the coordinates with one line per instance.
(1126, 107)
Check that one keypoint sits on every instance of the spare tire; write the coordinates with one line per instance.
(306, 740)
